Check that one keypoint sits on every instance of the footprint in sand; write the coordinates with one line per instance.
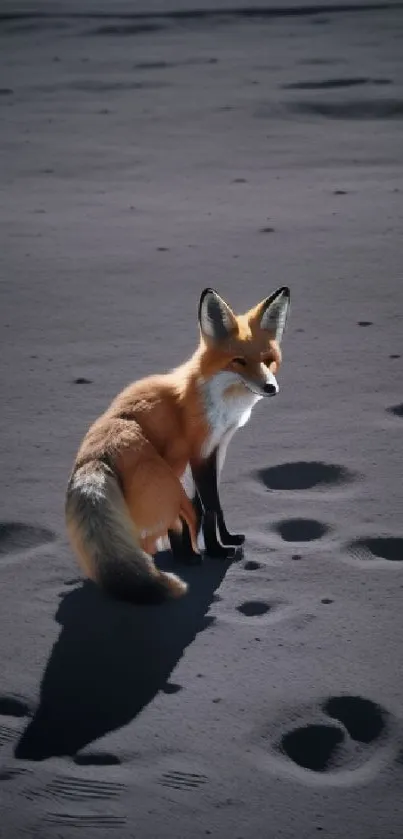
(251, 565)
(312, 746)
(363, 719)
(254, 608)
(396, 410)
(376, 552)
(17, 536)
(290, 531)
(300, 530)
(304, 475)
(340, 740)
(254, 611)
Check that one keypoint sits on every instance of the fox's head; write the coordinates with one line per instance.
(247, 345)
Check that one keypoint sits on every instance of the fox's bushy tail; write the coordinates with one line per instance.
(105, 539)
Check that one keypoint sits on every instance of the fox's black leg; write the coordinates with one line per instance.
(227, 538)
(212, 539)
(181, 546)
(219, 542)
(199, 511)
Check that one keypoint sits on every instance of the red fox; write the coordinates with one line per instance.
(127, 487)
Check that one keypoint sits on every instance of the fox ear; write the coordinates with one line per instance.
(216, 320)
(272, 312)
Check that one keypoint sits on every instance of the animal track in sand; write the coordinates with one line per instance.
(17, 536)
(300, 530)
(340, 740)
(302, 474)
(378, 550)
(396, 410)
(254, 611)
(253, 608)
(312, 746)
(171, 688)
(251, 565)
(363, 719)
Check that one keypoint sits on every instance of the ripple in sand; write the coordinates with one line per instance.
(354, 109)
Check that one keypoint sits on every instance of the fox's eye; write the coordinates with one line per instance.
(239, 360)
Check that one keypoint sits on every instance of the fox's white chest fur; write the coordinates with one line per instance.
(228, 405)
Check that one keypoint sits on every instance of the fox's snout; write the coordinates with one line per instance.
(270, 386)
(269, 389)
(262, 382)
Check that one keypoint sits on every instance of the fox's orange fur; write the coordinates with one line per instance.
(125, 490)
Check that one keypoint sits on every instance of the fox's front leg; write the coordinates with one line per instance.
(181, 546)
(183, 539)
(219, 542)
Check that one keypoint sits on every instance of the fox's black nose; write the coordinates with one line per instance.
(270, 389)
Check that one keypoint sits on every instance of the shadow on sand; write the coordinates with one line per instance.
(111, 659)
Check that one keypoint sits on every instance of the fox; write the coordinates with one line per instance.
(148, 469)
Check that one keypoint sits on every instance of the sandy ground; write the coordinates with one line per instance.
(141, 161)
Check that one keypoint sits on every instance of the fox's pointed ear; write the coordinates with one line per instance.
(216, 320)
(272, 312)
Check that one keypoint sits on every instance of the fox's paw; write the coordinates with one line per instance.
(212, 538)
(230, 540)
(181, 547)
(227, 539)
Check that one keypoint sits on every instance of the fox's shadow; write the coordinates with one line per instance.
(111, 659)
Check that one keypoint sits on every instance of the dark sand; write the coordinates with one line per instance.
(142, 160)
